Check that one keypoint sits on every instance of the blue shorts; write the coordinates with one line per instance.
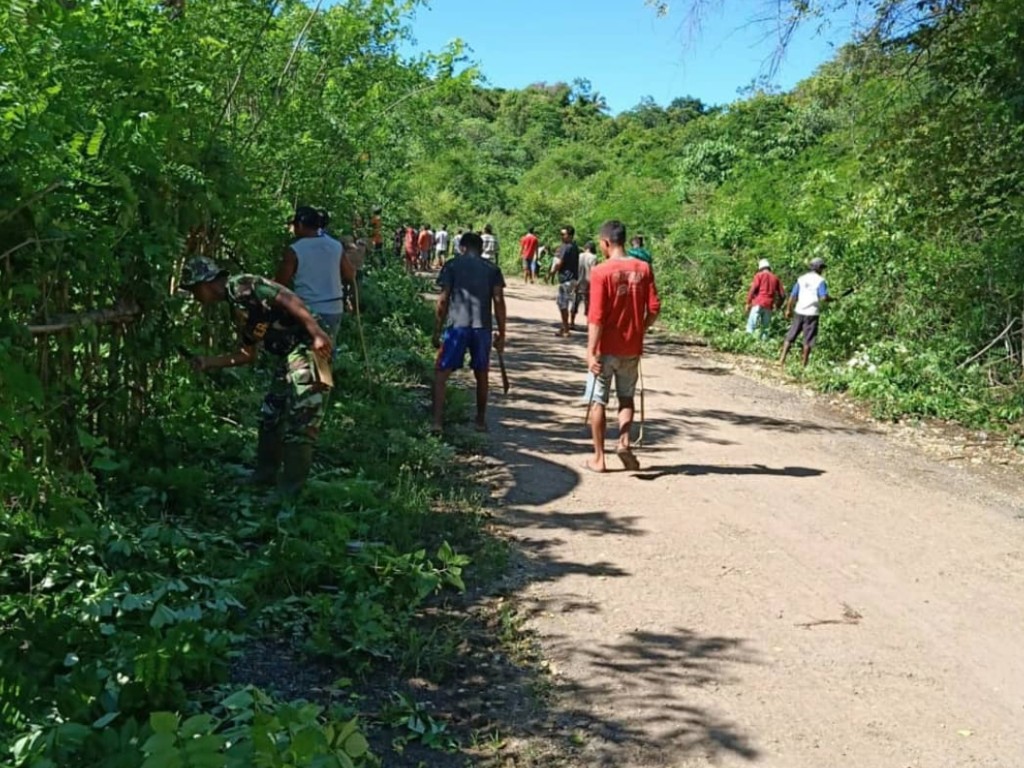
(455, 342)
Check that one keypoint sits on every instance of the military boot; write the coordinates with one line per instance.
(298, 459)
(269, 453)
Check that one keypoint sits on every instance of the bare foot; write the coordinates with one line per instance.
(594, 466)
(481, 426)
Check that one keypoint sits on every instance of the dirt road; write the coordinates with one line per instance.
(777, 586)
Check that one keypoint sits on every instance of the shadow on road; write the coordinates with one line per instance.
(653, 674)
(636, 704)
(760, 421)
(653, 473)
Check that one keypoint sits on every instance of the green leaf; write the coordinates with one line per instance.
(163, 722)
(198, 724)
(162, 616)
(106, 720)
(96, 140)
(165, 759)
(238, 700)
(356, 745)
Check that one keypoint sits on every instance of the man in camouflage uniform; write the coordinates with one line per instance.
(269, 314)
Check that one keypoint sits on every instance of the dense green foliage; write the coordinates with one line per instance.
(900, 162)
(134, 574)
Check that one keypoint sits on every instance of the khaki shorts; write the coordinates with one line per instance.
(566, 294)
(624, 370)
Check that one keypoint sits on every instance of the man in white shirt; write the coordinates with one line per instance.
(809, 292)
(441, 245)
(587, 261)
(491, 249)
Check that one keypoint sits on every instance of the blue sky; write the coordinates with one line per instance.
(623, 48)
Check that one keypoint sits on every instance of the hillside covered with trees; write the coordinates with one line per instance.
(898, 162)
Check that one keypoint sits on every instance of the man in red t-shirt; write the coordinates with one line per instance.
(528, 252)
(765, 294)
(623, 305)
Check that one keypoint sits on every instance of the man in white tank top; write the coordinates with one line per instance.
(314, 267)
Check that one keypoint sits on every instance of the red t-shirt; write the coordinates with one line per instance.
(528, 246)
(622, 295)
(764, 290)
(410, 242)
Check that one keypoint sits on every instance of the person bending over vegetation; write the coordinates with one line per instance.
(765, 294)
(809, 292)
(317, 268)
(269, 314)
(469, 286)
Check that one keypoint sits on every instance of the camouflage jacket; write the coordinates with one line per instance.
(251, 299)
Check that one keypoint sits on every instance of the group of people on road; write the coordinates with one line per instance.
(428, 249)
(802, 307)
(297, 315)
(619, 300)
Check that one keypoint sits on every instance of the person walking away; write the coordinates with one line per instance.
(425, 243)
(441, 245)
(567, 266)
(411, 252)
(587, 261)
(528, 253)
(457, 243)
(316, 267)
(470, 285)
(491, 250)
(377, 237)
(271, 316)
(397, 238)
(809, 292)
(765, 295)
(543, 264)
(623, 305)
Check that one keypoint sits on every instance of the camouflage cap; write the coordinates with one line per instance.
(201, 269)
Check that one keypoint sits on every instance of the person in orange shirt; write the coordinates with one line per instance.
(410, 249)
(623, 305)
(425, 243)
